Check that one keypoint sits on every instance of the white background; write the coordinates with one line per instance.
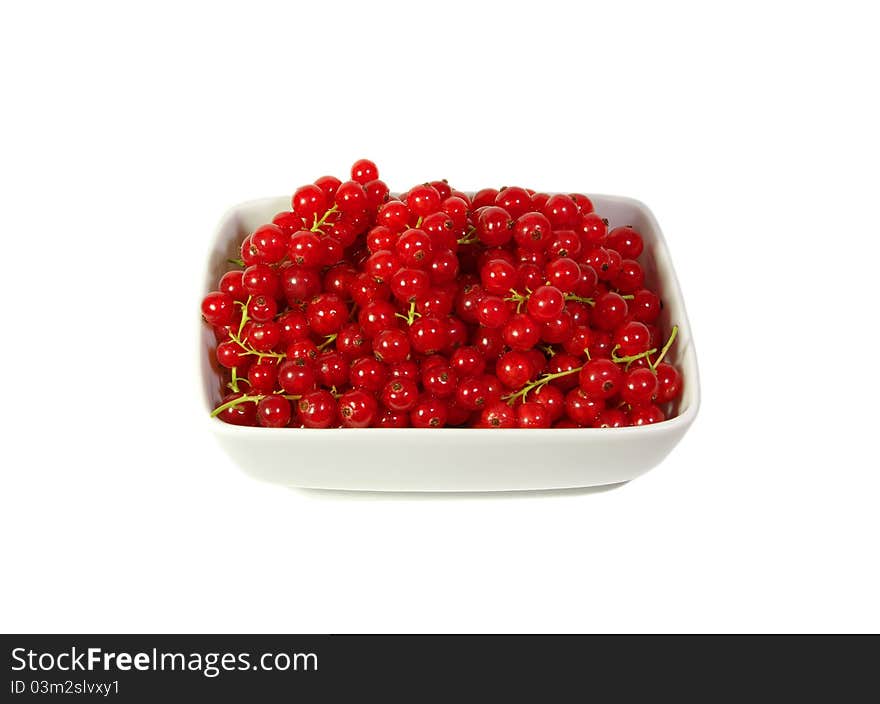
(750, 131)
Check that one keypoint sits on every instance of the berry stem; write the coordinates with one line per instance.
(631, 358)
(233, 384)
(537, 384)
(256, 398)
(411, 315)
(318, 224)
(236, 337)
(469, 237)
(327, 341)
(672, 336)
(236, 262)
(580, 299)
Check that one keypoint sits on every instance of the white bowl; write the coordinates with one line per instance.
(456, 459)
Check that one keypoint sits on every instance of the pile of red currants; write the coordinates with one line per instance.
(504, 309)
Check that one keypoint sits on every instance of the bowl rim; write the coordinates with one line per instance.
(680, 422)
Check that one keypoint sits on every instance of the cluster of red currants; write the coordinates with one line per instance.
(505, 309)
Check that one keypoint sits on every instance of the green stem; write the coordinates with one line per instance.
(256, 398)
(327, 341)
(579, 299)
(537, 384)
(236, 262)
(672, 336)
(631, 358)
(411, 315)
(469, 237)
(320, 223)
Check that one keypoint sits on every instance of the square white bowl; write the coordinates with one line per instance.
(456, 459)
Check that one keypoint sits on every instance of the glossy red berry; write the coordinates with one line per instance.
(317, 409)
(498, 415)
(363, 171)
(532, 415)
(545, 303)
(273, 411)
(357, 409)
(600, 378)
(533, 232)
(326, 313)
(639, 386)
(218, 308)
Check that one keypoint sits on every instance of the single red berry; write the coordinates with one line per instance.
(260, 280)
(263, 337)
(326, 313)
(564, 274)
(439, 380)
(232, 283)
(600, 378)
(299, 283)
(565, 243)
(262, 308)
(400, 394)
(498, 276)
(532, 415)
(270, 241)
(489, 342)
(357, 409)
(521, 332)
(408, 284)
(391, 346)
(429, 413)
(627, 241)
(230, 354)
(494, 226)
(218, 308)
(352, 342)
(484, 198)
(558, 330)
(533, 232)
(514, 200)
(582, 409)
(368, 373)
(467, 361)
(632, 338)
(645, 306)
(498, 415)
(393, 214)
(472, 393)
(351, 197)
(592, 230)
(331, 369)
(646, 415)
(309, 202)
(317, 409)
(413, 248)
(552, 398)
(514, 369)
(376, 316)
(289, 222)
(273, 411)
(669, 383)
(639, 386)
(428, 335)
(423, 200)
(545, 303)
(584, 204)
(492, 312)
(382, 265)
(609, 311)
(611, 418)
(296, 378)
(363, 171)
(561, 211)
(263, 376)
(294, 326)
(328, 184)
(630, 277)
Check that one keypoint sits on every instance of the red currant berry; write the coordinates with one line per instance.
(494, 226)
(646, 415)
(299, 284)
(273, 411)
(439, 380)
(552, 398)
(609, 312)
(263, 376)
(532, 415)
(472, 393)
(592, 230)
(309, 202)
(260, 280)
(317, 409)
(645, 306)
(328, 184)
(408, 284)
(357, 409)
(561, 211)
(630, 277)
(393, 214)
(262, 308)
(391, 346)
(326, 313)
(294, 326)
(332, 369)
(270, 243)
(365, 290)
(467, 361)
(382, 265)
(295, 377)
(545, 303)
(498, 276)
(627, 241)
(558, 330)
(521, 332)
(400, 394)
(564, 274)
(289, 222)
(582, 409)
(368, 373)
(600, 378)
(632, 338)
(498, 415)
(533, 232)
(514, 369)
(232, 282)
(218, 308)
(351, 197)
(611, 418)
(429, 413)
(376, 316)
(230, 354)
(514, 200)
(484, 198)
(668, 383)
(414, 248)
(423, 200)
(363, 171)
(263, 337)
(492, 312)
